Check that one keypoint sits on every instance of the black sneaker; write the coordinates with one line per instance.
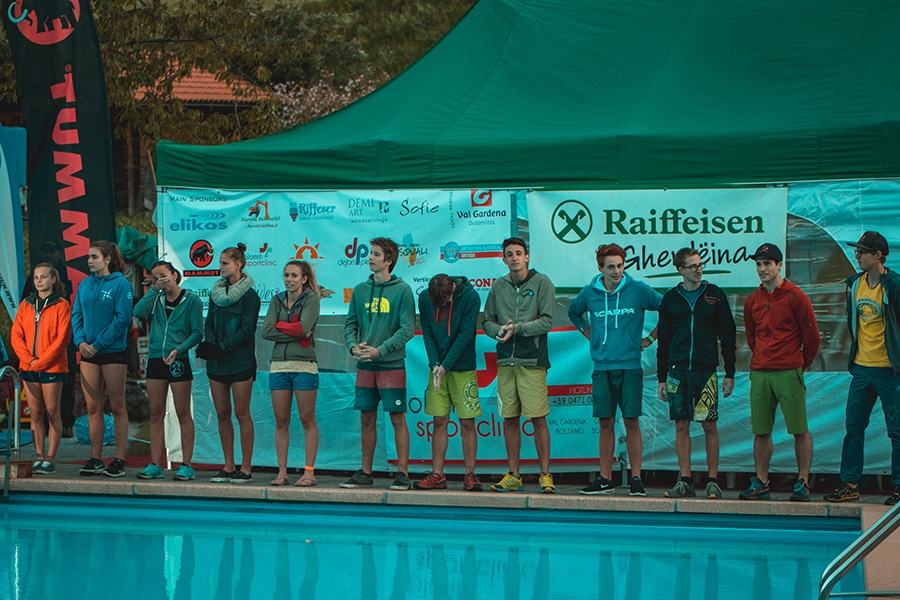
(601, 485)
(893, 498)
(94, 466)
(116, 468)
(636, 487)
(240, 477)
(67, 432)
(222, 476)
(845, 493)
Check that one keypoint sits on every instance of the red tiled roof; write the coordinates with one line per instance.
(202, 87)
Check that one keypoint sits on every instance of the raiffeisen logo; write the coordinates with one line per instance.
(45, 22)
(203, 221)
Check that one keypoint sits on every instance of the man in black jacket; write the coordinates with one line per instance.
(873, 316)
(694, 318)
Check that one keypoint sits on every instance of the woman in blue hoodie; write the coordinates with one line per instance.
(175, 317)
(101, 316)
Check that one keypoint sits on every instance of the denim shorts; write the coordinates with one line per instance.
(293, 381)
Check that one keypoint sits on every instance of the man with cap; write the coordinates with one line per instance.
(783, 336)
(873, 317)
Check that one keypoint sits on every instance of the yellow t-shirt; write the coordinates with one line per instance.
(871, 351)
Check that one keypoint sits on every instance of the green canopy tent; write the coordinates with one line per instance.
(603, 94)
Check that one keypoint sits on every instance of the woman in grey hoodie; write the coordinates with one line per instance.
(290, 323)
(175, 318)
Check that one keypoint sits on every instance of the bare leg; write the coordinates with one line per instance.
(683, 446)
(92, 386)
(542, 442)
(241, 392)
(512, 435)
(634, 443)
(607, 446)
(803, 448)
(762, 455)
(439, 443)
(306, 406)
(222, 401)
(157, 392)
(282, 401)
(401, 440)
(52, 392)
(469, 443)
(712, 447)
(114, 377)
(368, 420)
(35, 398)
(181, 398)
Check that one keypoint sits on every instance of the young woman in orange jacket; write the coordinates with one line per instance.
(40, 333)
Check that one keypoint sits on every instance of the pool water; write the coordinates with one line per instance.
(102, 547)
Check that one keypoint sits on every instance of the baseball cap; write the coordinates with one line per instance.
(871, 241)
(770, 251)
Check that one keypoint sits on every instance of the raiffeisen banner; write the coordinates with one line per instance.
(458, 232)
(725, 226)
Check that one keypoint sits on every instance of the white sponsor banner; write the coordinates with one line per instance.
(12, 258)
(725, 226)
(455, 232)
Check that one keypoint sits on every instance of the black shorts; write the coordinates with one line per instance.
(179, 370)
(109, 358)
(230, 378)
(42, 377)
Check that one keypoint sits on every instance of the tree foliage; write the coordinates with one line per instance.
(330, 51)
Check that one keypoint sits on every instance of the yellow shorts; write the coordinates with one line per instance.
(522, 392)
(459, 388)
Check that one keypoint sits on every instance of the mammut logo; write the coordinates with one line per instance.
(45, 22)
(201, 253)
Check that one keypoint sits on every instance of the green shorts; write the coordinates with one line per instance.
(522, 392)
(457, 387)
(769, 389)
(617, 389)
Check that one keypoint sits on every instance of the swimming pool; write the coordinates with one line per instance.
(104, 547)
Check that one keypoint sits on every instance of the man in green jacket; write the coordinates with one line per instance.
(518, 313)
(380, 321)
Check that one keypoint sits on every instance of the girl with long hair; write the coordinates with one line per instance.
(40, 334)
(175, 318)
(290, 323)
(229, 348)
(101, 317)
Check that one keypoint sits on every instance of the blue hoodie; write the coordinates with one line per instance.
(616, 320)
(101, 314)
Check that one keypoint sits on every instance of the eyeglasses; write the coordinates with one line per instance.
(695, 268)
(857, 253)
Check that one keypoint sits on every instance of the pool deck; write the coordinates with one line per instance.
(880, 567)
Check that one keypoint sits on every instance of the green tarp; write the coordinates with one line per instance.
(604, 94)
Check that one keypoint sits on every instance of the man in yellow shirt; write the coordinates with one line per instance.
(873, 316)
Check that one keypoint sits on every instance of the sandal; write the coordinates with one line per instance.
(306, 481)
(281, 480)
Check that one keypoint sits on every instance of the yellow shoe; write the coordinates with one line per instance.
(509, 483)
(545, 481)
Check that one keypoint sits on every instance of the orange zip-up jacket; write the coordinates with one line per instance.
(39, 337)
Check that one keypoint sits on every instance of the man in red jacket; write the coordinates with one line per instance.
(783, 335)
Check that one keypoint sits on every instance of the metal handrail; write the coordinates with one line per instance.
(14, 417)
(847, 560)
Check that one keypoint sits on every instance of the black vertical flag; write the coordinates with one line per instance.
(59, 77)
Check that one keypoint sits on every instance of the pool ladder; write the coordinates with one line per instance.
(14, 417)
(847, 560)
